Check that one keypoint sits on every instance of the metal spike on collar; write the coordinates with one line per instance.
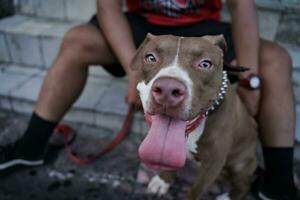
(221, 94)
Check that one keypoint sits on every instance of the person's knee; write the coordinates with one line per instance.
(276, 61)
(73, 46)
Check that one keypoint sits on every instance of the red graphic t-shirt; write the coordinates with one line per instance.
(175, 12)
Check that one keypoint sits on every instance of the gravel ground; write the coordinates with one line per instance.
(110, 178)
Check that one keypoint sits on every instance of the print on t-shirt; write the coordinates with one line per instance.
(172, 8)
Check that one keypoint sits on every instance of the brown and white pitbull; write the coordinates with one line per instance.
(193, 112)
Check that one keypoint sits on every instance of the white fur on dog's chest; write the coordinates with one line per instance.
(191, 144)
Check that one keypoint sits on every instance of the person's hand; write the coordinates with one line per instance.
(250, 99)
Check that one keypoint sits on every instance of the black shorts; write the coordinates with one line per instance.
(140, 27)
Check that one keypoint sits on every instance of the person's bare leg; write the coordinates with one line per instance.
(276, 119)
(82, 46)
(277, 112)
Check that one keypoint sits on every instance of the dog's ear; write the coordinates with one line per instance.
(217, 40)
(135, 62)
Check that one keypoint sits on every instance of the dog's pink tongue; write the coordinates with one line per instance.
(164, 146)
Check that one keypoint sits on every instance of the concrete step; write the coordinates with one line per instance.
(32, 44)
(279, 5)
(273, 14)
(30, 41)
(101, 104)
(65, 10)
(279, 20)
(78, 10)
(35, 42)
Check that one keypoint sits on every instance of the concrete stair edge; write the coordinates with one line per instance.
(111, 121)
(105, 108)
(19, 94)
(43, 37)
(67, 10)
(20, 33)
(278, 5)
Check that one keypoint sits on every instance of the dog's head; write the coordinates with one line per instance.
(179, 79)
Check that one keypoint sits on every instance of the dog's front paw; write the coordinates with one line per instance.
(224, 196)
(158, 186)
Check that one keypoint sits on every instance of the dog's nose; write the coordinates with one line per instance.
(168, 91)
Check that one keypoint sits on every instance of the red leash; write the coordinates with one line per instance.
(117, 140)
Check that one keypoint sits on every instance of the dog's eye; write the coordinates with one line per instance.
(205, 64)
(150, 58)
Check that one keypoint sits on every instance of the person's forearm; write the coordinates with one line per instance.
(116, 30)
(245, 33)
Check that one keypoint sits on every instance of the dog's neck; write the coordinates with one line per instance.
(221, 94)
